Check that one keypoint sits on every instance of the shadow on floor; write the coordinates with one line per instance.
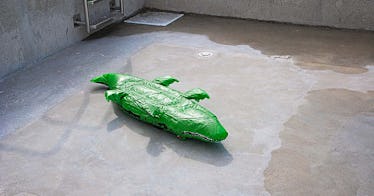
(211, 153)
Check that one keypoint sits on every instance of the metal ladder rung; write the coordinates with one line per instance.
(91, 2)
(97, 25)
(101, 23)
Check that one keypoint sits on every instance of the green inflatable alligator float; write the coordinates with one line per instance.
(155, 103)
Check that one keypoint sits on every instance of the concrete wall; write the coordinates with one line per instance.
(133, 5)
(33, 29)
(350, 14)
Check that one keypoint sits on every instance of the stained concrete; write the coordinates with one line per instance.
(334, 13)
(297, 103)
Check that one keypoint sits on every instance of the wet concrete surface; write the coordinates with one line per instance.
(312, 48)
(297, 102)
(330, 153)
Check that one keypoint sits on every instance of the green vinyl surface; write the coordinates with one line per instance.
(155, 103)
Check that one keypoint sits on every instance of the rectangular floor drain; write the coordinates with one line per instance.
(154, 18)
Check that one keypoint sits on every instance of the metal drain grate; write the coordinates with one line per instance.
(154, 18)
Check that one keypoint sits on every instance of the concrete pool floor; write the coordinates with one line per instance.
(298, 103)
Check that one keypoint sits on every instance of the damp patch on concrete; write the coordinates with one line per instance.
(311, 48)
(326, 147)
